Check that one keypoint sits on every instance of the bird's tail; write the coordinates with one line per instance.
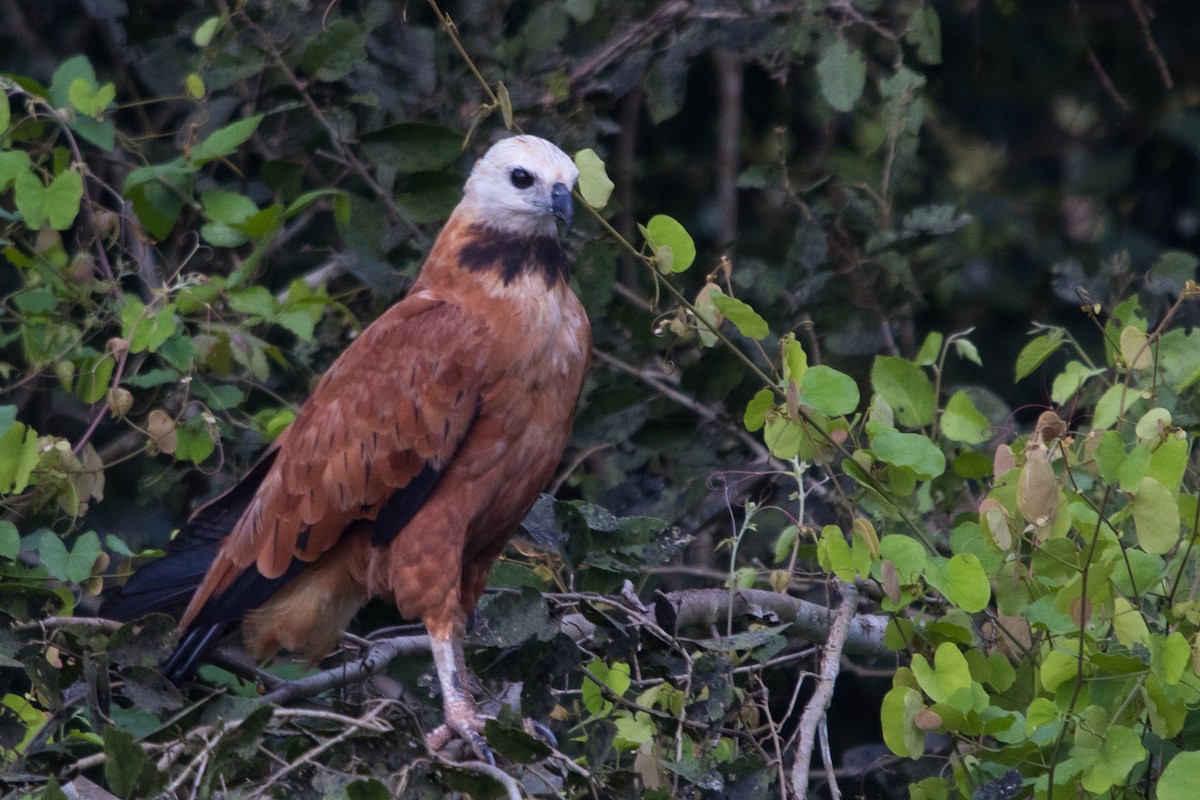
(167, 584)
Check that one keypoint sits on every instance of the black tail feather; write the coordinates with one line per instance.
(167, 584)
(191, 648)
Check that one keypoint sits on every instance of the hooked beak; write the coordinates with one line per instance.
(561, 205)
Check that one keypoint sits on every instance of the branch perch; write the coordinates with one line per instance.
(702, 607)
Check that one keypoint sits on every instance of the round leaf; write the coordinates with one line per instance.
(967, 584)
(664, 231)
(594, 183)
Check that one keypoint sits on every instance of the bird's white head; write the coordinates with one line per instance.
(521, 185)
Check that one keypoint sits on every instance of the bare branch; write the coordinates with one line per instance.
(702, 607)
(814, 712)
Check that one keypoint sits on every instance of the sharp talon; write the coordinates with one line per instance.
(482, 750)
(538, 730)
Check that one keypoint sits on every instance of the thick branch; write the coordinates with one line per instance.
(702, 607)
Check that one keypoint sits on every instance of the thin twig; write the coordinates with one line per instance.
(814, 712)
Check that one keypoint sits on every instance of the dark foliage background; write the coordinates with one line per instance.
(872, 171)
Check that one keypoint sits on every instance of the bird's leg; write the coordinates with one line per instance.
(458, 705)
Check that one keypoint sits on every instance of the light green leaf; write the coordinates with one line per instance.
(907, 389)
(1122, 751)
(900, 732)
(1071, 380)
(594, 183)
(744, 317)
(1038, 350)
(62, 199)
(1128, 623)
(842, 75)
(1058, 666)
(947, 678)
(1180, 778)
(193, 87)
(13, 163)
(795, 360)
(910, 450)
(663, 231)
(90, 98)
(963, 422)
(1153, 423)
(29, 193)
(931, 348)
(906, 554)
(1173, 656)
(1115, 401)
(756, 410)
(5, 112)
(206, 31)
(230, 208)
(831, 392)
(18, 457)
(74, 565)
(833, 553)
(1155, 516)
(967, 584)
(967, 351)
(225, 141)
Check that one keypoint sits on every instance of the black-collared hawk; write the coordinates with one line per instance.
(418, 454)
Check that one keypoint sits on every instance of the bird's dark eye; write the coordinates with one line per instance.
(521, 178)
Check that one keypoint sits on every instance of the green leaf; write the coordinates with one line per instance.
(205, 32)
(230, 208)
(1122, 751)
(967, 351)
(1116, 400)
(963, 422)
(18, 457)
(615, 678)
(13, 164)
(412, 147)
(967, 584)
(745, 318)
(29, 193)
(831, 392)
(663, 231)
(1178, 781)
(594, 183)
(910, 450)
(756, 410)
(925, 31)
(62, 199)
(10, 540)
(1129, 625)
(949, 676)
(5, 115)
(907, 389)
(931, 348)
(833, 553)
(128, 771)
(143, 331)
(900, 732)
(255, 300)
(842, 75)
(795, 360)
(71, 70)
(90, 98)
(907, 555)
(1171, 656)
(74, 565)
(335, 52)
(1155, 516)
(225, 141)
(1038, 350)
(1058, 666)
(1071, 380)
